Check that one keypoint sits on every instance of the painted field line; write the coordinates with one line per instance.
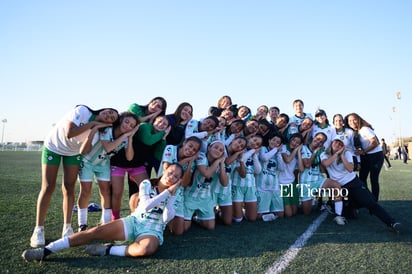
(283, 262)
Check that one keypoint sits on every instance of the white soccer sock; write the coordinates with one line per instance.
(58, 245)
(106, 215)
(82, 216)
(338, 207)
(118, 250)
(237, 220)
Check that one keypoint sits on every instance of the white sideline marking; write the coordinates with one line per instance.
(283, 262)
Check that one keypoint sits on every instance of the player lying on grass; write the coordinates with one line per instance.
(144, 226)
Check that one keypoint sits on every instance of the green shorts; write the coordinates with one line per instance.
(223, 199)
(88, 171)
(269, 201)
(307, 191)
(48, 157)
(204, 208)
(134, 229)
(244, 194)
(290, 194)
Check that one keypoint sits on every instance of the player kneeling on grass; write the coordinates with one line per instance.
(144, 226)
(311, 179)
(339, 164)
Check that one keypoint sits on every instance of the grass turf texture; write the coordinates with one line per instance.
(364, 245)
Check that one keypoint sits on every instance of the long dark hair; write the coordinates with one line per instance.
(178, 111)
(155, 181)
(124, 115)
(96, 112)
(164, 105)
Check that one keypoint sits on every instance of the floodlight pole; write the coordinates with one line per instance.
(4, 121)
(399, 119)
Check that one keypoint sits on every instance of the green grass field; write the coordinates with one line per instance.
(364, 245)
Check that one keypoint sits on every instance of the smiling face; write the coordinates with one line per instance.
(336, 145)
(321, 119)
(298, 107)
(108, 116)
(276, 141)
(128, 123)
(254, 142)
(208, 125)
(161, 123)
(190, 148)
(171, 175)
(186, 113)
(294, 142)
(252, 127)
(243, 112)
(354, 122)
(216, 150)
(238, 144)
(306, 124)
(318, 140)
(338, 122)
(155, 106)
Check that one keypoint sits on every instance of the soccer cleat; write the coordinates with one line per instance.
(67, 231)
(37, 239)
(340, 220)
(82, 227)
(36, 254)
(97, 249)
(397, 227)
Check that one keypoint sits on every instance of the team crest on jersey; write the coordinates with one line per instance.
(249, 162)
(271, 164)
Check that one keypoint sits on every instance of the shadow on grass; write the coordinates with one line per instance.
(253, 239)
(368, 228)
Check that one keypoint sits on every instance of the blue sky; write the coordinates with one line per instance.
(343, 56)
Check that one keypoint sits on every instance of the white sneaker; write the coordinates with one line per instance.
(340, 220)
(36, 254)
(37, 239)
(269, 217)
(67, 231)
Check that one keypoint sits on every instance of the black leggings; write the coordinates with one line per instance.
(371, 165)
(362, 197)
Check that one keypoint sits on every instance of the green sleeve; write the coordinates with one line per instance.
(158, 151)
(136, 110)
(147, 136)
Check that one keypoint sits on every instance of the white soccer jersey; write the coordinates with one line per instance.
(346, 136)
(192, 129)
(286, 170)
(366, 133)
(329, 131)
(249, 180)
(98, 156)
(298, 120)
(312, 173)
(268, 179)
(337, 171)
(171, 155)
(201, 187)
(56, 139)
(152, 218)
